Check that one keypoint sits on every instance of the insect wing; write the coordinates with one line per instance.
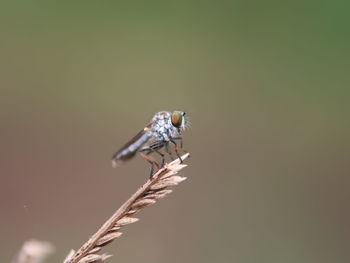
(129, 150)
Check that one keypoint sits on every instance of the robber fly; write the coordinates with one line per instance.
(164, 128)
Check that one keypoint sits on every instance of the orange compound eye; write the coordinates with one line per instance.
(176, 118)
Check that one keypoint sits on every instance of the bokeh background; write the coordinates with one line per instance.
(265, 83)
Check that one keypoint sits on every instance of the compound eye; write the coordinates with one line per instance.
(176, 119)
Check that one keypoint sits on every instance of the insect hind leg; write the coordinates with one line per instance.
(154, 147)
(152, 161)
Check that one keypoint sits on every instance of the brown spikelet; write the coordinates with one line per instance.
(155, 188)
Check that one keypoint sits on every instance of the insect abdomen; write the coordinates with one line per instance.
(129, 150)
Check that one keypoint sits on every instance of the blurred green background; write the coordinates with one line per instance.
(265, 83)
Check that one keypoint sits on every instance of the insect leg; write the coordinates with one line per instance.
(177, 153)
(181, 143)
(155, 147)
(152, 161)
(168, 151)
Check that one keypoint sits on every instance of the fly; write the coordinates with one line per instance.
(164, 128)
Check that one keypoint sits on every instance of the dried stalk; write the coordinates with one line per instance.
(154, 189)
(33, 251)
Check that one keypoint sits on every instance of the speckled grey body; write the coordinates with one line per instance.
(160, 129)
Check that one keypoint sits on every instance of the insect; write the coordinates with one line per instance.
(164, 128)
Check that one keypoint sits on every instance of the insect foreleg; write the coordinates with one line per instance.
(168, 151)
(181, 143)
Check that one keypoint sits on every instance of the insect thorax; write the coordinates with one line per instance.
(162, 126)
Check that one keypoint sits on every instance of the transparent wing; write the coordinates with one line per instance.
(129, 149)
